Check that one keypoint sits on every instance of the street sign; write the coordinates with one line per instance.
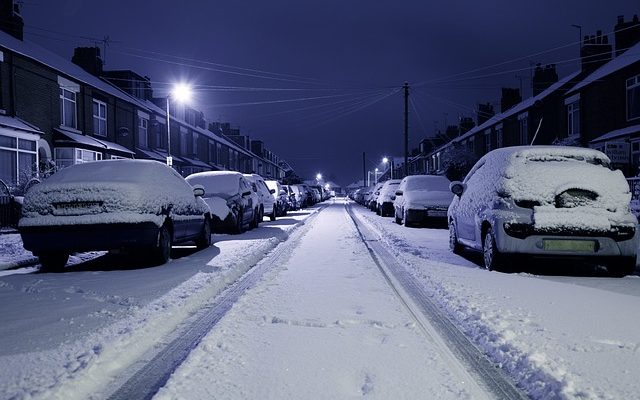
(169, 161)
(618, 152)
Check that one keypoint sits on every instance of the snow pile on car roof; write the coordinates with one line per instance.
(127, 191)
(548, 177)
(217, 183)
(427, 182)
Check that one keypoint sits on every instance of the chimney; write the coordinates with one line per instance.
(10, 19)
(510, 97)
(543, 77)
(595, 52)
(627, 34)
(485, 112)
(466, 124)
(88, 58)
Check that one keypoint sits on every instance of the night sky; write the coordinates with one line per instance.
(347, 58)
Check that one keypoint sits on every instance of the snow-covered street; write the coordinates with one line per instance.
(319, 320)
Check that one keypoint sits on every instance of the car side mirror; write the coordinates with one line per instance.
(247, 193)
(272, 191)
(283, 192)
(198, 190)
(457, 188)
(399, 192)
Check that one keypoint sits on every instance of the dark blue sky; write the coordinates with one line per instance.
(354, 51)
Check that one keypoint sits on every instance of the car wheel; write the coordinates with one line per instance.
(239, 228)
(162, 251)
(53, 262)
(272, 217)
(622, 267)
(454, 246)
(493, 259)
(404, 219)
(204, 240)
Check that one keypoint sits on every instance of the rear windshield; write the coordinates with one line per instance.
(437, 183)
(227, 184)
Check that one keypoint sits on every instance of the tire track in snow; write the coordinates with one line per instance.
(145, 378)
(436, 326)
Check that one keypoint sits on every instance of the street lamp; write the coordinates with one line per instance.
(319, 177)
(386, 160)
(376, 175)
(182, 94)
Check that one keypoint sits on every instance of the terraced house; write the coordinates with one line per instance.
(56, 112)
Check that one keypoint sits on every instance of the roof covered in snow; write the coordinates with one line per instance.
(18, 124)
(617, 133)
(625, 59)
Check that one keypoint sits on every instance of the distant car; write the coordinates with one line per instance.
(113, 205)
(301, 195)
(291, 198)
(281, 197)
(422, 198)
(230, 197)
(384, 202)
(547, 202)
(266, 197)
(373, 198)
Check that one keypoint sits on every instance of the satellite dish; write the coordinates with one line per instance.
(123, 131)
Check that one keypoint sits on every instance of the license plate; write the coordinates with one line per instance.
(586, 246)
(437, 213)
(78, 208)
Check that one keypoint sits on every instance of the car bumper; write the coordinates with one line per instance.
(73, 238)
(416, 216)
(387, 208)
(555, 245)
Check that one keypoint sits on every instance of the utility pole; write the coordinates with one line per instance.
(406, 128)
(364, 169)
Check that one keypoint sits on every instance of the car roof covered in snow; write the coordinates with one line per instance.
(146, 172)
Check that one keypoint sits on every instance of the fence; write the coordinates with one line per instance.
(9, 208)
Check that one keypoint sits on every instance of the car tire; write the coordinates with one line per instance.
(204, 240)
(404, 219)
(272, 217)
(53, 262)
(454, 245)
(622, 267)
(239, 227)
(162, 250)
(493, 259)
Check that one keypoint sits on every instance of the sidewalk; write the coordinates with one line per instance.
(12, 254)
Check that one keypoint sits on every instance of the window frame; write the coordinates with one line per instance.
(98, 118)
(632, 84)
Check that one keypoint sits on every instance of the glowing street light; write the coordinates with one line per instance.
(319, 177)
(387, 160)
(182, 94)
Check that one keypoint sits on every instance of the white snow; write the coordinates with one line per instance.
(323, 324)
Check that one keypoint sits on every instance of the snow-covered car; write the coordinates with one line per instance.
(112, 205)
(373, 198)
(292, 203)
(301, 195)
(422, 198)
(281, 197)
(266, 199)
(230, 197)
(384, 202)
(545, 201)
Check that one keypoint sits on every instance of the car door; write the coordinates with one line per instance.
(470, 204)
(247, 200)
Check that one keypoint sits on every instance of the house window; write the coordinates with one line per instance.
(68, 111)
(18, 159)
(523, 128)
(161, 134)
(183, 141)
(213, 155)
(66, 156)
(573, 118)
(99, 117)
(143, 131)
(487, 141)
(633, 97)
(498, 137)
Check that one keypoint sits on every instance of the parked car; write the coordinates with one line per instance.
(373, 198)
(301, 195)
(265, 194)
(422, 198)
(384, 202)
(291, 198)
(280, 196)
(113, 205)
(548, 202)
(231, 199)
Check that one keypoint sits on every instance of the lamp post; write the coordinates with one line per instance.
(181, 93)
(386, 160)
(375, 175)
